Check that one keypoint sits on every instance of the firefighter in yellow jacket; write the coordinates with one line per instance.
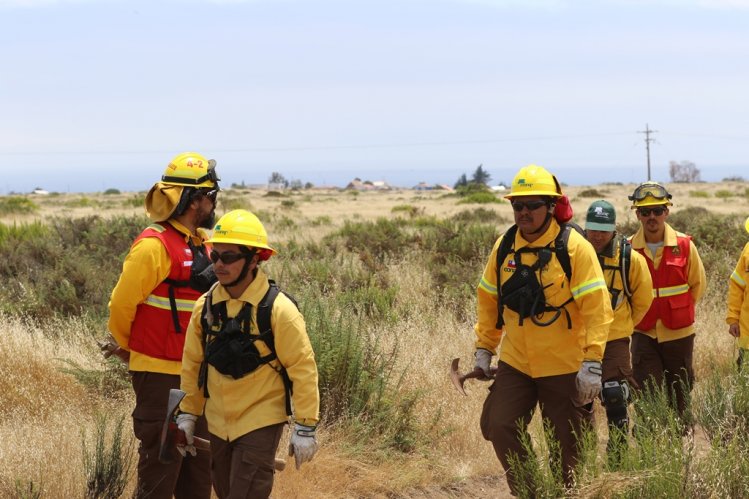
(552, 327)
(631, 297)
(738, 303)
(663, 340)
(247, 362)
(166, 270)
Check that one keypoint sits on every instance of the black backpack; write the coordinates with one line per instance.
(209, 314)
(625, 258)
(560, 249)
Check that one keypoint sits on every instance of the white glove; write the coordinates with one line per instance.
(483, 361)
(588, 381)
(186, 423)
(303, 444)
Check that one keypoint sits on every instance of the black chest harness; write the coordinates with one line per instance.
(201, 279)
(523, 292)
(229, 344)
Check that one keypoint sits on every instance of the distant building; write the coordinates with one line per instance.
(367, 185)
(40, 192)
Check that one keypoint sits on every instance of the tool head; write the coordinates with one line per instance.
(167, 448)
(456, 377)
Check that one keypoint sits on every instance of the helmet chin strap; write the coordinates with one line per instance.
(245, 268)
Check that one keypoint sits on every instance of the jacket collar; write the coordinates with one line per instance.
(252, 295)
(669, 237)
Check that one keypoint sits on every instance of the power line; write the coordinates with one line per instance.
(329, 147)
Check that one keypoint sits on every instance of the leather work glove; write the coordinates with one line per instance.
(588, 381)
(483, 361)
(303, 444)
(186, 423)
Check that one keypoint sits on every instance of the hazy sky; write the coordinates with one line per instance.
(99, 94)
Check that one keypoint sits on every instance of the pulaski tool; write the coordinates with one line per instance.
(172, 436)
(459, 379)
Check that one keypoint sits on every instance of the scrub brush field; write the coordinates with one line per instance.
(386, 281)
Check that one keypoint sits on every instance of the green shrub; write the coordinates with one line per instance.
(592, 193)
(380, 238)
(229, 203)
(134, 201)
(699, 194)
(111, 191)
(480, 198)
(321, 220)
(724, 194)
(274, 194)
(409, 209)
(28, 490)
(479, 215)
(68, 268)
(107, 466)
(81, 202)
(288, 203)
(17, 205)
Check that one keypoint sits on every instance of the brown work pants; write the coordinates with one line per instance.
(188, 477)
(669, 362)
(617, 362)
(509, 408)
(243, 468)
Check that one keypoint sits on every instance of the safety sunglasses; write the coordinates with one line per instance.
(227, 257)
(645, 212)
(531, 205)
(652, 190)
(212, 194)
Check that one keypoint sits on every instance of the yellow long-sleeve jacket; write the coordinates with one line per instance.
(696, 280)
(552, 350)
(236, 407)
(738, 297)
(145, 267)
(627, 313)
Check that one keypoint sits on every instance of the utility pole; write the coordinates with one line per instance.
(648, 140)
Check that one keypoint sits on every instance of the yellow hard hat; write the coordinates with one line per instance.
(534, 180)
(243, 228)
(650, 194)
(192, 170)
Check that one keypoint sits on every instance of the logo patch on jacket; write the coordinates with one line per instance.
(511, 266)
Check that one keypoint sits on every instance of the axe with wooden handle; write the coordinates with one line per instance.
(172, 436)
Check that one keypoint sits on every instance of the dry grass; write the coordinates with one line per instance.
(44, 411)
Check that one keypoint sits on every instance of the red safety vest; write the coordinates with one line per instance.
(672, 302)
(155, 329)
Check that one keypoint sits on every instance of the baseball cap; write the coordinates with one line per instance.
(601, 216)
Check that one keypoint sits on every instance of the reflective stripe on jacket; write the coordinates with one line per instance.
(738, 297)
(153, 332)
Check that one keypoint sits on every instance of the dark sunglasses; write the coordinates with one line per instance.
(531, 205)
(209, 193)
(645, 212)
(227, 257)
(212, 194)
